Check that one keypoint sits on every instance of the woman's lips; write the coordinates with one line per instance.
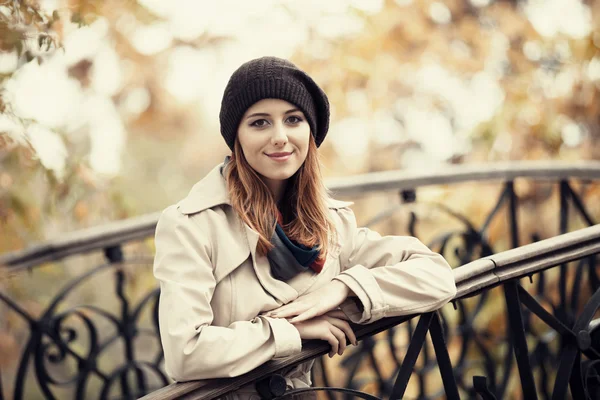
(283, 156)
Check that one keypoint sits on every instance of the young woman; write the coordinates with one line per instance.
(258, 258)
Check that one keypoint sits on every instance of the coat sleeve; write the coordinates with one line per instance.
(193, 348)
(390, 275)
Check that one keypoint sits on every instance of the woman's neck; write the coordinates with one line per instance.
(277, 188)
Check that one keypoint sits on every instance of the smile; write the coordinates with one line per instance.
(280, 157)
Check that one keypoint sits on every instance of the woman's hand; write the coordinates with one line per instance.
(329, 328)
(313, 304)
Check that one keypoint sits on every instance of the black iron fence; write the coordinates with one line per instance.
(97, 337)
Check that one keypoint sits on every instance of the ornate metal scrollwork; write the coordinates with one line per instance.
(67, 347)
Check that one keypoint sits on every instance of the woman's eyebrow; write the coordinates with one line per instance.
(258, 115)
(268, 115)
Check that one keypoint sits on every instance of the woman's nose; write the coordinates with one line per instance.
(279, 136)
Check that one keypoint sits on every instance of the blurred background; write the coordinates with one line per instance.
(109, 108)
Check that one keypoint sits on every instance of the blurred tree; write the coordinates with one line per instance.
(490, 80)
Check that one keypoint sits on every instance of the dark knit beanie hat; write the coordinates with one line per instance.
(272, 78)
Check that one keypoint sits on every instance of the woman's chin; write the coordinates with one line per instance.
(278, 177)
(281, 175)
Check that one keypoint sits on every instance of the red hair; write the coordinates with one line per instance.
(304, 205)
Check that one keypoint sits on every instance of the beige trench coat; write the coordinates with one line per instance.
(215, 288)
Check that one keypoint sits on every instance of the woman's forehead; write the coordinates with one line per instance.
(269, 106)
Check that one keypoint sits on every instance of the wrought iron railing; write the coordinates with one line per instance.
(74, 349)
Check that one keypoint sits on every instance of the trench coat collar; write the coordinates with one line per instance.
(211, 191)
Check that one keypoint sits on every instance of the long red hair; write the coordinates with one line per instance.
(303, 206)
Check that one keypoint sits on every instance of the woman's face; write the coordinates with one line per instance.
(274, 137)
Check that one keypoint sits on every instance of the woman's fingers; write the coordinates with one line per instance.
(335, 331)
(293, 309)
(306, 315)
(345, 327)
(334, 342)
(339, 314)
(341, 337)
(284, 311)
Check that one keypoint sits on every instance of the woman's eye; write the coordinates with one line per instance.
(259, 123)
(294, 119)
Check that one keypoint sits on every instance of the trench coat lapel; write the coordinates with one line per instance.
(278, 289)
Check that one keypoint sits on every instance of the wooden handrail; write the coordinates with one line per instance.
(471, 278)
(505, 171)
(82, 241)
(119, 232)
